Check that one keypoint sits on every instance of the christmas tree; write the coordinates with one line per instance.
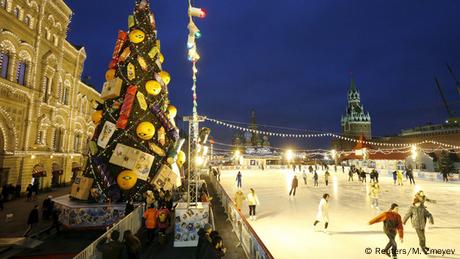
(136, 144)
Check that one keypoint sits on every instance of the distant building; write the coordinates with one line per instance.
(248, 139)
(356, 122)
(45, 108)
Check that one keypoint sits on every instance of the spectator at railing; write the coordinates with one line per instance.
(110, 247)
(204, 241)
(163, 223)
(129, 207)
(151, 218)
(132, 244)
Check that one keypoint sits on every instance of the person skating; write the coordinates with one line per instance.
(350, 174)
(326, 177)
(418, 215)
(304, 176)
(238, 198)
(392, 223)
(445, 176)
(400, 177)
(315, 178)
(410, 175)
(253, 201)
(395, 177)
(421, 196)
(238, 179)
(32, 220)
(376, 176)
(294, 184)
(363, 176)
(47, 207)
(374, 195)
(323, 212)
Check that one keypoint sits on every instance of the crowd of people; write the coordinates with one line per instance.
(210, 244)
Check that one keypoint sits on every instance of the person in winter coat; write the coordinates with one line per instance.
(410, 175)
(47, 207)
(391, 223)
(350, 174)
(252, 202)
(151, 218)
(132, 244)
(323, 212)
(326, 177)
(294, 184)
(304, 176)
(400, 177)
(315, 178)
(129, 207)
(111, 247)
(374, 193)
(238, 198)
(421, 196)
(376, 176)
(239, 176)
(395, 177)
(418, 215)
(32, 220)
(204, 241)
(216, 250)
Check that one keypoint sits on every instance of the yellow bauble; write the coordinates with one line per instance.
(126, 179)
(110, 74)
(153, 87)
(181, 158)
(165, 77)
(136, 36)
(145, 130)
(172, 111)
(161, 57)
(96, 117)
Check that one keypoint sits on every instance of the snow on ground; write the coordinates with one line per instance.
(285, 224)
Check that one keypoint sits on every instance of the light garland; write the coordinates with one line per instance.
(320, 135)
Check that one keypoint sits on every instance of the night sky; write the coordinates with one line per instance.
(291, 60)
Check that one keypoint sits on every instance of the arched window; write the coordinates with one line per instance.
(60, 92)
(45, 89)
(4, 62)
(17, 12)
(65, 95)
(21, 73)
(77, 143)
(57, 139)
(27, 21)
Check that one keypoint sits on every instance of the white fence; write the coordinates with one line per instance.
(132, 221)
(248, 238)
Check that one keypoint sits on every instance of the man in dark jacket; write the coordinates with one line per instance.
(204, 241)
(295, 183)
(47, 207)
(32, 220)
(391, 223)
(418, 215)
(110, 247)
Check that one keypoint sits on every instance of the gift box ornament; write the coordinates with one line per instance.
(142, 63)
(125, 54)
(165, 178)
(81, 187)
(125, 111)
(122, 37)
(133, 159)
(106, 133)
(131, 21)
(161, 136)
(141, 100)
(156, 149)
(111, 88)
(131, 71)
(170, 129)
(153, 52)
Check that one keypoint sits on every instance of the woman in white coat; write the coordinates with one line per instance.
(323, 211)
(252, 202)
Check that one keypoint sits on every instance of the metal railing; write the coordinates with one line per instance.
(132, 221)
(248, 238)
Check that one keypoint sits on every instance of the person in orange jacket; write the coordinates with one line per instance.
(391, 223)
(151, 217)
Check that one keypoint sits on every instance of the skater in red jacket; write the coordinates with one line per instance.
(391, 223)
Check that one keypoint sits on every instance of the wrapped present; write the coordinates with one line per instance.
(81, 187)
(131, 71)
(171, 131)
(142, 63)
(141, 100)
(122, 36)
(152, 21)
(111, 88)
(158, 150)
(105, 174)
(133, 159)
(131, 21)
(126, 108)
(106, 133)
(161, 136)
(165, 178)
(153, 52)
(125, 54)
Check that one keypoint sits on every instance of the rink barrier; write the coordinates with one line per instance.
(132, 221)
(252, 245)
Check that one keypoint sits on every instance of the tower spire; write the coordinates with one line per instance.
(352, 83)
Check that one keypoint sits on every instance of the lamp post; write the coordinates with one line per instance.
(289, 156)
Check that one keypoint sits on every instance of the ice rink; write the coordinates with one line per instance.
(285, 224)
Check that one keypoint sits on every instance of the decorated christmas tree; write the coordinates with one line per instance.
(136, 144)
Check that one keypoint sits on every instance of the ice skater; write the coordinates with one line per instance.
(326, 177)
(253, 201)
(315, 178)
(323, 212)
(238, 179)
(410, 175)
(374, 195)
(294, 185)
(421, 196)
(392, 223)
(418, 215)
(395, 177)
(304, 176)
(350, 174)
(400, 177)
(238, 198)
